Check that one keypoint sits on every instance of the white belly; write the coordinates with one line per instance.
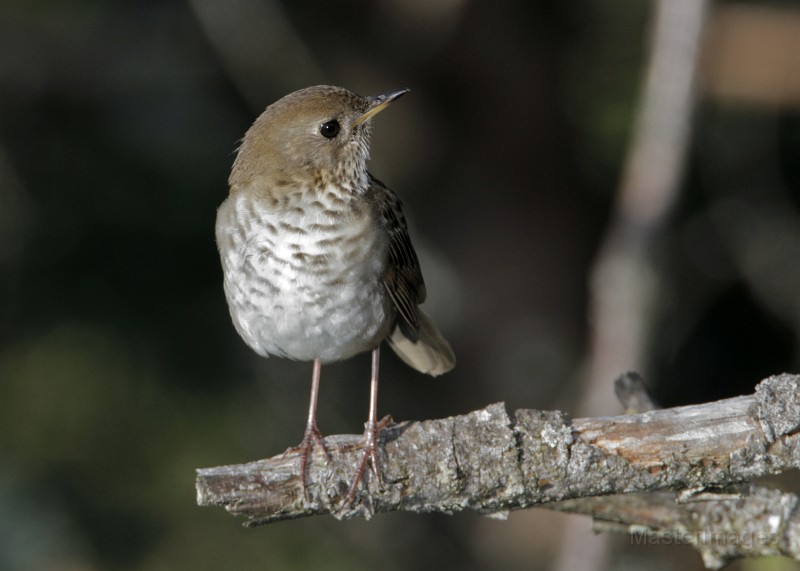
(303, 285)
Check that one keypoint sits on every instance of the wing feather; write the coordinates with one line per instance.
(403, 277)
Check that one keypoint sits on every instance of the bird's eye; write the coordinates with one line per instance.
(330, 129)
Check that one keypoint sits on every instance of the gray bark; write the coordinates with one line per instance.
(487, 462)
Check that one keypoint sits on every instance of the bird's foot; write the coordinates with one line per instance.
(370, 458)
(311, 437)
(385, 422)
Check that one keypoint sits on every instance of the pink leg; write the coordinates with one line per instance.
(371, 431)
(312, 434)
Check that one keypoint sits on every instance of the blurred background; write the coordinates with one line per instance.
(120, 372)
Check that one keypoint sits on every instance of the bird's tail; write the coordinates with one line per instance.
(430, 354)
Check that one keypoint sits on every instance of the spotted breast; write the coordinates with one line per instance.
(303, 278)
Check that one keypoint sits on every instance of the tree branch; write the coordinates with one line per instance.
(485, 462)
(742, 521)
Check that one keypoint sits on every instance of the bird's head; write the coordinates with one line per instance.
(315, 135)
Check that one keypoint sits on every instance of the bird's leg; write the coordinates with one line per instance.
(312, 434)
(371, 431)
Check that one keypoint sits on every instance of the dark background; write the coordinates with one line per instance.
(120, 372)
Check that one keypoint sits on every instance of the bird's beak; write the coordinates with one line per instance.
(378, 103)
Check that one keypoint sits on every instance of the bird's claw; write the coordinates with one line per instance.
(370, 458)
(311, 437)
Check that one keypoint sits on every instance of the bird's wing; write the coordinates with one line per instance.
(403, 277)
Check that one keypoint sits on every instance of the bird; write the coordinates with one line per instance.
(316, 256)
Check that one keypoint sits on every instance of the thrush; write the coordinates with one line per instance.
(317, 261)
